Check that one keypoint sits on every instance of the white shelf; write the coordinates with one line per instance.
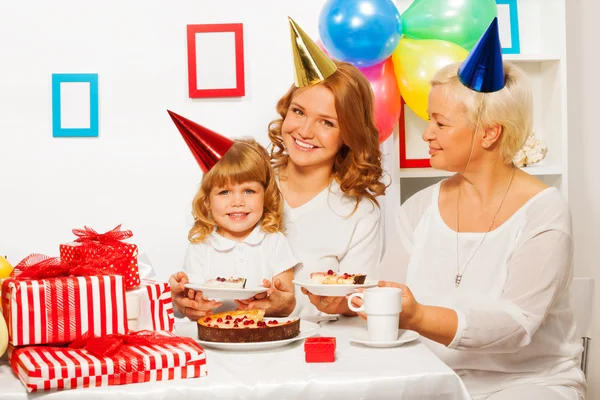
(434, 173)
(531, 57)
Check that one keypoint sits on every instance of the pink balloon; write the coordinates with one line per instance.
(387, 97)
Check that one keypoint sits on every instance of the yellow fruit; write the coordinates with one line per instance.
(5, 268)
(3, 335)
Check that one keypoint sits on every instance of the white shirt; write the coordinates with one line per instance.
(259, 256)
(516, 324)
(325, 235)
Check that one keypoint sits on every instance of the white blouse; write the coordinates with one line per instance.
(325, 235)
(259, 256)
(516, 325)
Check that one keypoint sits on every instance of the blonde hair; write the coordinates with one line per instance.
(357, 165)
(511, 107)
(246, 161)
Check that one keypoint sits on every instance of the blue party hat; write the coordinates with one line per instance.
(482, 70)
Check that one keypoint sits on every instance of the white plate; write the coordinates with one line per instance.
(307, 329)
(226, 293)
(333, 290)
(404, 336)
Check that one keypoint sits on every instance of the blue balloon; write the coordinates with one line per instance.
(361, 32)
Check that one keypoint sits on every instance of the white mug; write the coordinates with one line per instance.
(383, 306)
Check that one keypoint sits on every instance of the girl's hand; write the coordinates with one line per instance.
(278, 300)
(189, 302)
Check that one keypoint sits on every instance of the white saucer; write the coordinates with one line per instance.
(332, 290)
(226, 293)
(404, 336)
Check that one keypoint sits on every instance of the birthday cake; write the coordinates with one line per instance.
(331, 278)
(245, 326)
(228, 283)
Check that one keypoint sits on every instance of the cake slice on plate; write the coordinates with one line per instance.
(228, 283)
(331, 278)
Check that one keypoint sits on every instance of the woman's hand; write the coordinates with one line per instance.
(330, 304)
(279, 299)
(412, 311)
(189, 302)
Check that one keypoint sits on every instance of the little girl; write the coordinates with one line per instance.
(237, 233)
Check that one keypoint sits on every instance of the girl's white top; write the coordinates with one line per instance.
(325, 234)
(259, 256)
(516, 324)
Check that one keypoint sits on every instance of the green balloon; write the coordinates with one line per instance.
(458, 21)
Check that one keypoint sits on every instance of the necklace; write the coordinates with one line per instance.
(459, 274)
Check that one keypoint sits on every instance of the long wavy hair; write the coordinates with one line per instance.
(246, 161)
(357, 165)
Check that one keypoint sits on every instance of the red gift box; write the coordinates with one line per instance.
(104, 252)
(39, 309)
(320, 349)
(154, 306)
(163, 356)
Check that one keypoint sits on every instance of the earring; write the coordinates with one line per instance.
(485, 145)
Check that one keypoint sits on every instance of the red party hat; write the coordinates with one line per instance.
(208, 147)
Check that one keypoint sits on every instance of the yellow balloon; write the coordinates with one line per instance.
(5, 268)
(3, 335)
(415, 63)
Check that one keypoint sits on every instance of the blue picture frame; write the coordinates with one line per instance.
(514, 27)
(57, 130)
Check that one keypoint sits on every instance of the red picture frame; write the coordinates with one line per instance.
(406, 162)
(240, 87)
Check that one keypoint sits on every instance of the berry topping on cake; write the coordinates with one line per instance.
(243, 326)
(332, 278)
(229, 283)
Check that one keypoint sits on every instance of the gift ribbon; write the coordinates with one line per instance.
(110, 345)
(113, 236)
(39, 266)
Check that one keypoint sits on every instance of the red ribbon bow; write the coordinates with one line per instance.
(110, 345)
(113, 236)
(39, 266)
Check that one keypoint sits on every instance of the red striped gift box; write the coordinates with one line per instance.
(156, 307)
(47, 368)
(60, 310)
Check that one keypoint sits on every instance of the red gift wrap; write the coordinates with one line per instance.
(104, 251)
(155, 306)
(320, 349)
(43, 310)
(155, 356)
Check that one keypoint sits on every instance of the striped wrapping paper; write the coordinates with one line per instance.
(149, 307)
(46, 368)
(156, 308)
(60, 310)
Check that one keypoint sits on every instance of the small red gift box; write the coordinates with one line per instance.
(105, 253)
(150, 306)
(320, 349)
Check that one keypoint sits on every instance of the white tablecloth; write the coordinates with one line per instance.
(407, 372)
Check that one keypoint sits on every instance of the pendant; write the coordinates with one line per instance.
(458, 279)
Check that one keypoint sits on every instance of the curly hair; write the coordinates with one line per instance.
(357, 165)
(246, 161)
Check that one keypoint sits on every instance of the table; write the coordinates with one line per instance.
(408, 372)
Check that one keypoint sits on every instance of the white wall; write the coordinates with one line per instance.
(139, 171)
(584, 143)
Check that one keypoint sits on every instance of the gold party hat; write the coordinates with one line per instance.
(311, 64)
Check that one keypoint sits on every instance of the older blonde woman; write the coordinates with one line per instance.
(488, 281)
